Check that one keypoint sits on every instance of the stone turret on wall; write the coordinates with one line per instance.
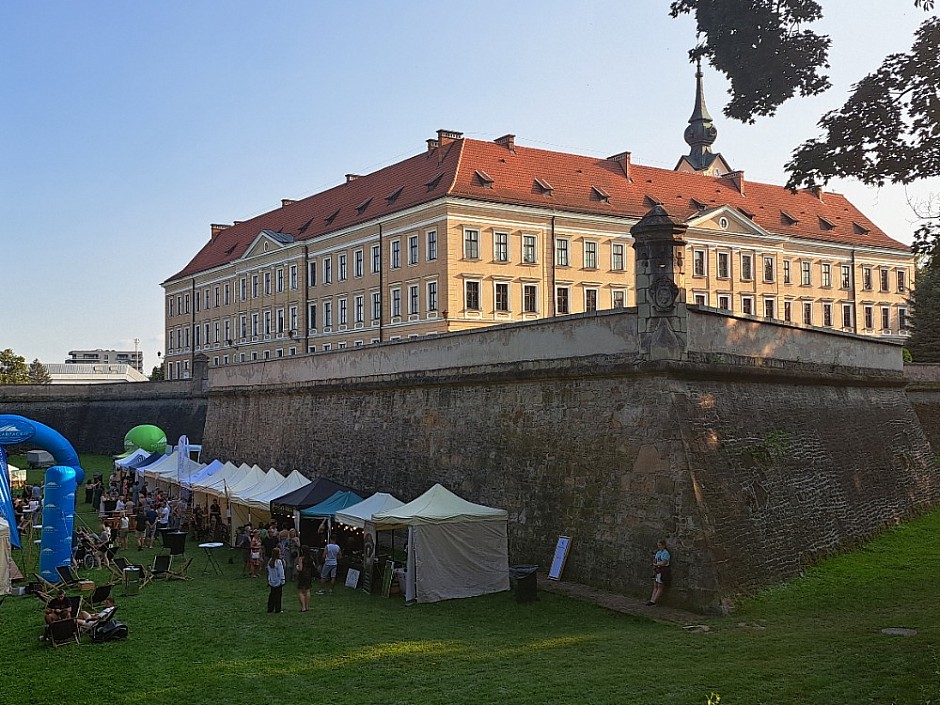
(662, 321)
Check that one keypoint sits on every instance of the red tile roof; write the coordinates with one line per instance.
(578, 184)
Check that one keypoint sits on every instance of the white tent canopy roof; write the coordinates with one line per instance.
(358, 514)
(274, 485)
(127, 460)
(225, 477)
(437, 506)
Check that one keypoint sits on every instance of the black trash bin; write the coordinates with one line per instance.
(527, 584)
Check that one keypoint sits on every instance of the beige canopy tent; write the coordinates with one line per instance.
(5, 557)
(455, 548)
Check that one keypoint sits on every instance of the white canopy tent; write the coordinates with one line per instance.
(5, 556)
(254, 503)
(172, 471)
(217, 484)
(455, 548)
(128, 460)
(358, 514)
(17, 476)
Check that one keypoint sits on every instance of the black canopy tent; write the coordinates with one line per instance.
(307, 496)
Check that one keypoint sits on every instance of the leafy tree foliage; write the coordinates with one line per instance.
(37, 373)
(157, 374)
(924, 342)
(13, 368)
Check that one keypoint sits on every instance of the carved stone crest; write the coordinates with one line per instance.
(663, 293)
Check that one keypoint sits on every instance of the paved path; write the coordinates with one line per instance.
(620, 603)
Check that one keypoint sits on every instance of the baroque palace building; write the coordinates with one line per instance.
(471, 233)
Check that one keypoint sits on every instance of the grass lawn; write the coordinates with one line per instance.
(209, 640)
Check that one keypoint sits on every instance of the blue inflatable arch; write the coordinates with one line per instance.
(58, 510)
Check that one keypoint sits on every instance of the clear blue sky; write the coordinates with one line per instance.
(127, 128)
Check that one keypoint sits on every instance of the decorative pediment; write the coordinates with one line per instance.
(726, 219)
(267, 241)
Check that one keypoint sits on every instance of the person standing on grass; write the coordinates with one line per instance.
(276, 581)
(331, 556)
(255, 555)
(662, 573)
(304, 567)
(140, 526)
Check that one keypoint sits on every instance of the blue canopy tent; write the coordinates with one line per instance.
(328, 507)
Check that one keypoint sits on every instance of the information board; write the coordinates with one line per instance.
(368, 556)
(352, 578)
(561, 555)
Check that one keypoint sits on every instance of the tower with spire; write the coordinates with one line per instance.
(700, 135)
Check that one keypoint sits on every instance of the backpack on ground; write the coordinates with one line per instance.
(112, 630)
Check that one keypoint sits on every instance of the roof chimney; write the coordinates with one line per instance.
(287, 202)
(432, 145)
(507, 141)
(216, 229)
(445, 137)
(624, 160)
(352, 177)
(737, 177)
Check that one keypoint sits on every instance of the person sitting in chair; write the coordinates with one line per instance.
(58, 608)
(86, 620)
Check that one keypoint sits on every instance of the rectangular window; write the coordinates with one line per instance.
(327, 314)
(530, 298)
(866, 278)
(312, 273)
(769, 273)
(561, 300)
(357, 263)
(343, 311)
(883, 273)
(846, 315)
(590, 300)
(902, 281)
(396, 303)
(376, 259)
(243, 326)
(206, 329)
(826, 270)
(807, 313)
(395, 254)
(267, 323)
(786, 271)
(343, 271)
(724, 265)
(770, 308)
(359, 308)
(701, 299)
(806, 278)
(827, 315)
(590, 254)
(432, 245)
(787, 312)
(292, 319)
(724, 303)
(414, 303)
(869, 318)
(471, 244)
(254, 325)
(432, 296)
(413, 249)
(501, 247)
(280, 280)
(267, 283)
(228, 331)
(902, 318)
(885, 319)
(698, 263)
(472, 296)
(327, 270)
(561, 252)
(196, 335)
(206, 298)
(747, 267)
(747, 305)
(618, 298)
(501, 294)
(280, 321)
(293, 276)
(216, 296)
(846, 276)
(616, 256)
(376, 305)
(528, 249)
(311, 316)
(242, 289)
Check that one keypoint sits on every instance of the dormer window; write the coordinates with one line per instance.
(331, 218)
(788, 219)
(432, 184)
(826, 224)
(600, 194)
(544, 186)
(362, 206)
(860, 229)
(651, 201)
(391, 198)
(486, 181)
(695, 203)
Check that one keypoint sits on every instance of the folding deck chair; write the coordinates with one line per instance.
(68, 575)
(181, 574)
(63, 631)
(101, 593)
(160, 569)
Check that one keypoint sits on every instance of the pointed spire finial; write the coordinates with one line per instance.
(701, 132)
